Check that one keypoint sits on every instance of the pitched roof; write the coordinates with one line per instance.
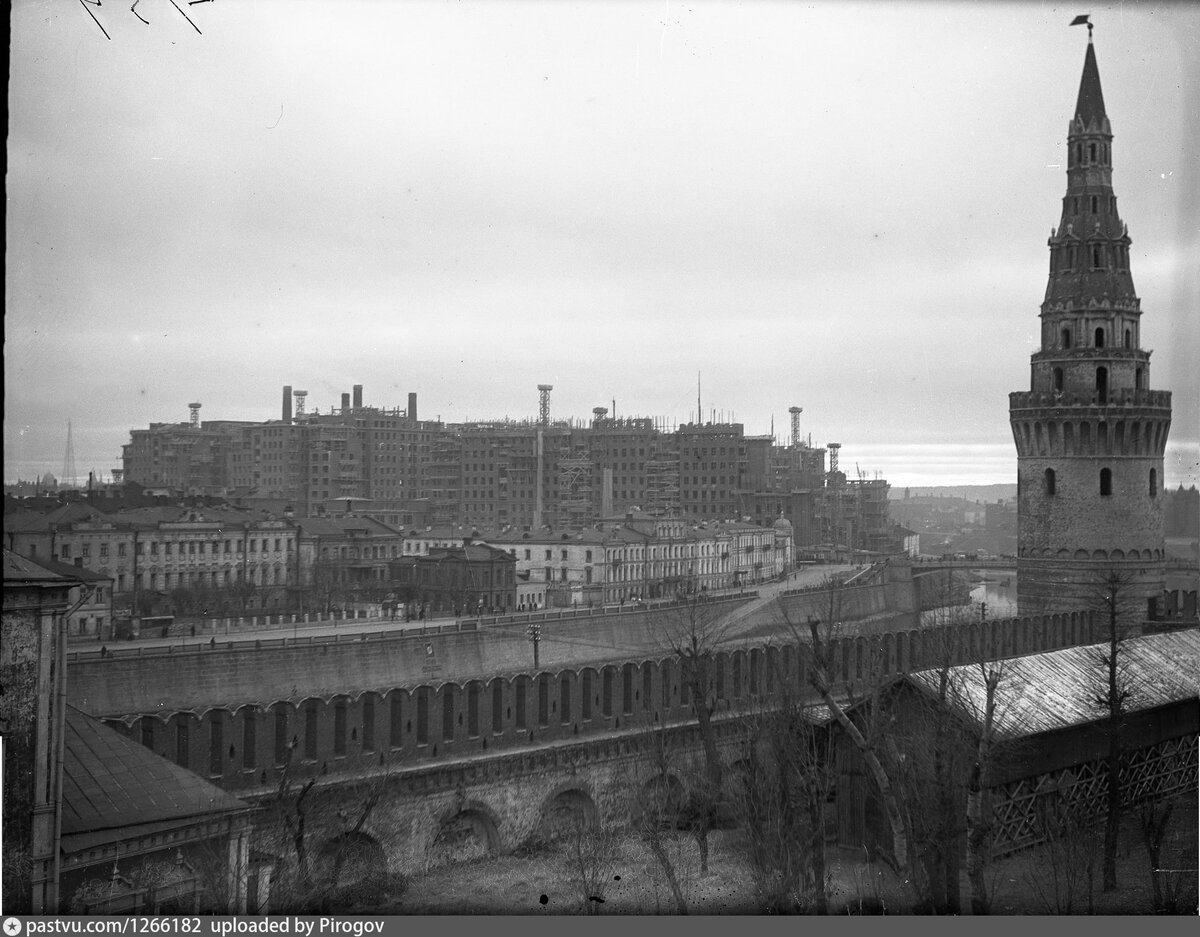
(19, 568)
(68, 571)
(1056, 690)
(1090, 104)
(112, 784)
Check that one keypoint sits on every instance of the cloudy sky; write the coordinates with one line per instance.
(841, 207)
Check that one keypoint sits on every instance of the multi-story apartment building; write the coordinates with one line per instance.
(155, 550)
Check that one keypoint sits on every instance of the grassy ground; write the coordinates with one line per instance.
(1045, 880)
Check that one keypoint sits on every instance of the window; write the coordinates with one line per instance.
(1058, 379)
(1153, 483)
(497, 707)
(606, 692)
(1049, 479)
(1099, 338)
(1102, 384)
(148, 733)
(1128, 339)
(564, 699)
(1095, 204)
(1105, 482)
(543, 684)
(627, 689)
(1066, 338)
(1091, 152)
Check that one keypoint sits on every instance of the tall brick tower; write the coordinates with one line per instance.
(1090, 433)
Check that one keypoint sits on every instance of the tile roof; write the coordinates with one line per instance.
(1055, 690)
(112, 784)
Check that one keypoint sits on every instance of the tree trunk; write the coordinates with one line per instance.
(664, 861)
(1112, 823)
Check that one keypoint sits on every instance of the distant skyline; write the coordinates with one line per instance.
(838, 206)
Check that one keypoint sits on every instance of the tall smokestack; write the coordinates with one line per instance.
(345, 402)
(412, 406)
(358, 396)
(287, 403)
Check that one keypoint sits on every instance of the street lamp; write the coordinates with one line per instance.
(535, 635)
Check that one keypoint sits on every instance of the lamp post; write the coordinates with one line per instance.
(535, 635)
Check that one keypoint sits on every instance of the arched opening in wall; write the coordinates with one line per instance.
(1068, 438)
(469, 834)
(1066, 338)
(586, 690)
(520, 694)
(564, 698)
(498, 706)
(627, 677)
(1048, 486)
(1091, 152)
(473, 709)
(1153, 483)
(1102, 438)
(665, 688)
(355, 869)
(1058, 380)
(566, 814)
(543, 695)
(1099, 337)
(1105, 482)
(660, 802)
(1128, 339)
(606, 692)
(1102, 385)
(1085, 438)
(1137, 379)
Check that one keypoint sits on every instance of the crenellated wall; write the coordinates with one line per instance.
(351, 728)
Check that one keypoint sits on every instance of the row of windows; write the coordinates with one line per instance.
(1050, 483)
(185, 548)
(1099, 338)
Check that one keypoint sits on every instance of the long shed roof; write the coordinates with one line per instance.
(1059, 689)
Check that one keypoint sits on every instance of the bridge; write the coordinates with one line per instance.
(463, 745)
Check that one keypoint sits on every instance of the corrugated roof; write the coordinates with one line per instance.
(111, 783)
(1057, 690)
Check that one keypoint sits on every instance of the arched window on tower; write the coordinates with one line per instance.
(1066, 338)
(1095, 204)
(1128, 339)
(1102, 385)
(1100, 338)
(1097, 255)
(1105, 482)
(1058, 380)
(1049, 483)
(1078, 153)
(1091, 152)
(1137, 379)
(1153, 483)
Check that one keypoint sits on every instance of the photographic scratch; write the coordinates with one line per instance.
(277, 119)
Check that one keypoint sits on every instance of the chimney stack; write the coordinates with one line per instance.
(412, 406)
(358, 396)
(287, 403)
(345, 402)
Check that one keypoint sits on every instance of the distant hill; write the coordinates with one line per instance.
(981, 493)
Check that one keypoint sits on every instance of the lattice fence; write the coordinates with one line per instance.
(1078, 794)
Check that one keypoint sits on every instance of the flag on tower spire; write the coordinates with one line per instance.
(1084, 20)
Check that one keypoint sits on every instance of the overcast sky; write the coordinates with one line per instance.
(841, 207)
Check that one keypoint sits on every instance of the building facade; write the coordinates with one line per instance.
(1090, 433)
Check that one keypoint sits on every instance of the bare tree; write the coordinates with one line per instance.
(655, 809)
(979, 799)
(694, 632)
(316, 875)
(1112, 693)
(779, 800)
(591, 852)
